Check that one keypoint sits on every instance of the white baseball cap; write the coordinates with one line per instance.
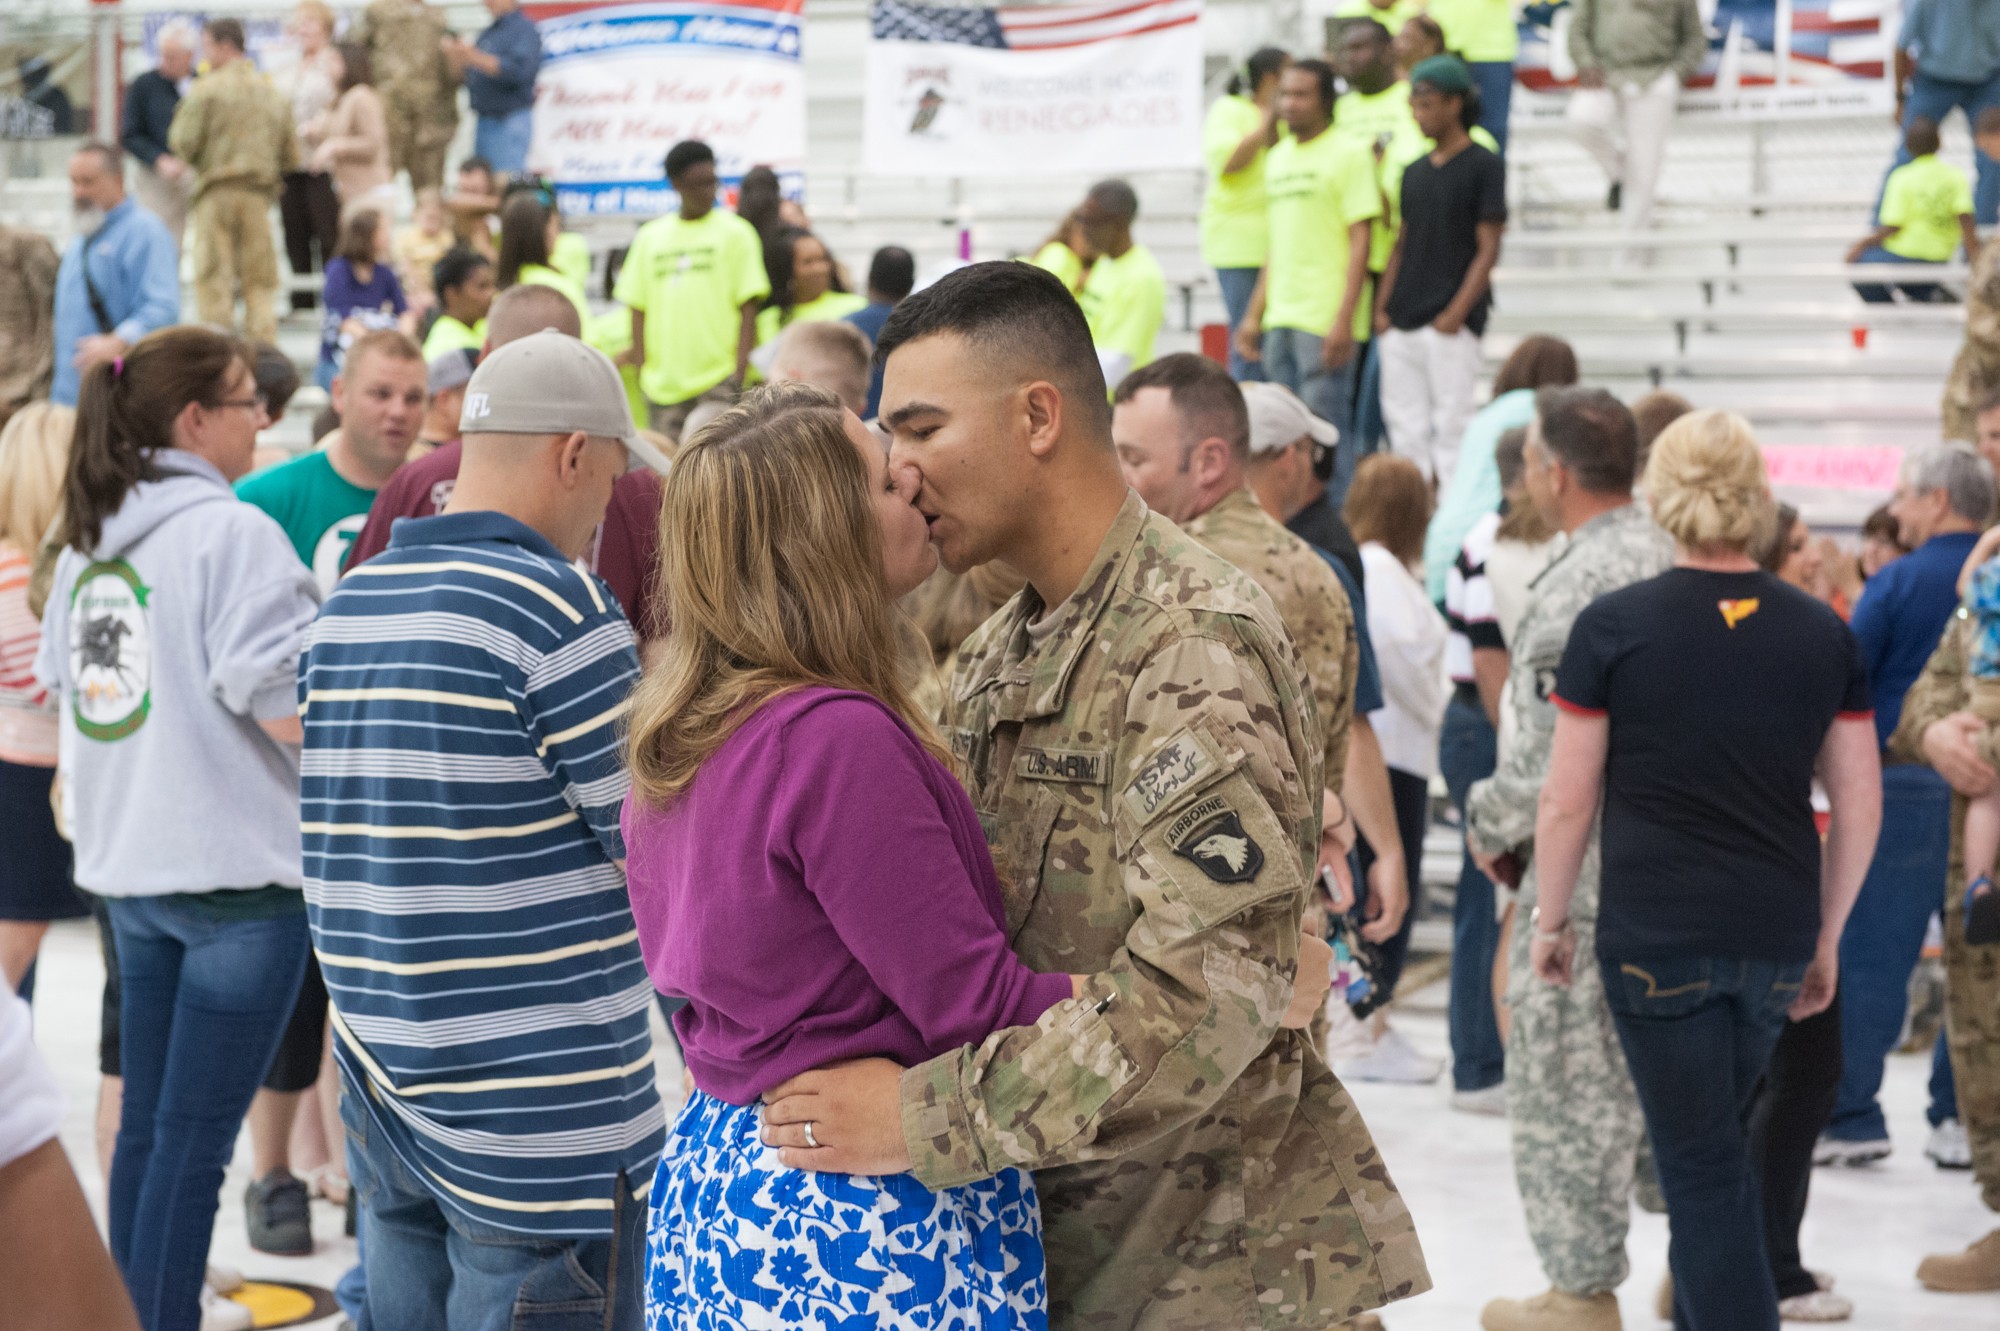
(1278, 419)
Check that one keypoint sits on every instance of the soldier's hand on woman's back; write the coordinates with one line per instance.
(1951, 745)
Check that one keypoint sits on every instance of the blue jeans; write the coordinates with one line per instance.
(1291, 358)
(1237, 286)
(1698, 1034)
(203, 1004)
(1933, 99)
(1883, 293)
(1944, 1084)
(1495, 81)
(430, 1267)
(1467, 752)
(1885, 934)
(503, 140)
(1369, 429)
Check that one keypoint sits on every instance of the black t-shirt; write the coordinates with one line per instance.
(1442, 209)
(1320, 524)
(1720, 688)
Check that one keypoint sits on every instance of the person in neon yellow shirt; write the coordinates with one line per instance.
(1062, 253)
(1311, 303)
(1124, 299)
(1241, 127)
(464, 284)
(1486, 35)
(1927, 211)
(693, 281)
(528, 231)
(1391, 14)
(805, 284)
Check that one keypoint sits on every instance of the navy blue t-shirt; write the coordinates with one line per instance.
(376, 303)
(1720, 688)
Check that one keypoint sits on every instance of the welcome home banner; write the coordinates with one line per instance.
(964, 91)
(622, 83)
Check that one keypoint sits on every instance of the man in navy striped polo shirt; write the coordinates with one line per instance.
(462, 778)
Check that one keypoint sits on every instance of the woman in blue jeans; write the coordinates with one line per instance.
(172, 639)
(1696, 706)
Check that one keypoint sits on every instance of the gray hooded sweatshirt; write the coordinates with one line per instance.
(166, 646)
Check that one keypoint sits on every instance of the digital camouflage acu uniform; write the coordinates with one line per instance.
(419, 95)
(1575, 1115)
(1971, 974)
(1976, 372)
(1146, 765)
(1310, 601)
(234, 130)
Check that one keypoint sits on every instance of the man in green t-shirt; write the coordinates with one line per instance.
(1311, 306)
(322, 498)
(693, 280)
(1124, 298)
(464, 282)
(1240, 129)
(1926, 213)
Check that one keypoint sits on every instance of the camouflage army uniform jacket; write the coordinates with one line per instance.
(1610, 551)
(1147, 766)
(1310, 601)
(235, 129)
(1972, 973)
(1976, 371)
(404, 40)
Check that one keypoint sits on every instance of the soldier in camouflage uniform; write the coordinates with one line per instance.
(1938, 727)
(1146, 762)
(1576, 1122)
(234, 130)
(1976, 372)
(419, 95)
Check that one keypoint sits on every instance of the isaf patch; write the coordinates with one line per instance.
(1216, 843)
(1180, 765)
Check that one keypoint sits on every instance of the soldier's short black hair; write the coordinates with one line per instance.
(1209, 403)
(1015, 310)
(1593, 434)
(457, 265)
(892, 272)
(226, 31)
(687, 153)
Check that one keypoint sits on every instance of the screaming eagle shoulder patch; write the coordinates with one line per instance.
(1212, 837)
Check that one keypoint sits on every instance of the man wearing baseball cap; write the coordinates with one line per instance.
(462, 693)
(1291, 455)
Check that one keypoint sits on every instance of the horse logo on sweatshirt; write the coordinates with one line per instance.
(110, 651)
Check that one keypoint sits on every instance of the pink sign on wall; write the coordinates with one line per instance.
(1832, 467)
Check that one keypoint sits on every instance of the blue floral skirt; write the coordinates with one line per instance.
(737, 1242)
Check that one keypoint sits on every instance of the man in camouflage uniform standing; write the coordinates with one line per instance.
(1938, 727)
(1976, 372)
(1576, 1122)
(234, 130)
(405, 41)
(1141, 743)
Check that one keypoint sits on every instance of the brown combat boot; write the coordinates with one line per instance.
(1554, 1310)
(1968, 1272)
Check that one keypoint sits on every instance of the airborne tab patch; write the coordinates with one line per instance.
(1218, 845)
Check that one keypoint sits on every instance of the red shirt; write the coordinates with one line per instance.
(624, 551)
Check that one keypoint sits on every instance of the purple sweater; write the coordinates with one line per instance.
(820, 892)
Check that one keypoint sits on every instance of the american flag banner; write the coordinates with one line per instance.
(965, 91)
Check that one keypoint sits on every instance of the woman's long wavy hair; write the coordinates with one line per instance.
(772, 580)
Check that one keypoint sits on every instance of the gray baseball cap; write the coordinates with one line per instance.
(1278, 419)
(547, 383)
(453, 369)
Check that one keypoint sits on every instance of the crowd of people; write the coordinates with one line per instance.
(592, 658)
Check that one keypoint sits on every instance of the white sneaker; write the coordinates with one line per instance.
(1833, 1151)
(223, 1279)
(220, 1314)
(1393, 1059)
(1947, 1147)
(1488, 1100)
(1822, 1305)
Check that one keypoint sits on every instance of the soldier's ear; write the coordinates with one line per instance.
(1042, 413)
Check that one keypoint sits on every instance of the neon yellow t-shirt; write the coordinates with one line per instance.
(692, 280)
(1925, 198)
(572, 258)
(1060, 259)
(611, 333)
(1393, 18)
(1318, 190)
(448, 334)
(1125, 300)
(1233, 229)
(536, 274)
(823, 308)
(1481, 31)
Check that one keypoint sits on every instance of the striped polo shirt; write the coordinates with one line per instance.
(462, 777)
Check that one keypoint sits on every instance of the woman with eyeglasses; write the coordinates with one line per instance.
(171, 641)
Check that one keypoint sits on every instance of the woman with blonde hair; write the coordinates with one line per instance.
(792, 815)
(35, 886)
(1695, 708)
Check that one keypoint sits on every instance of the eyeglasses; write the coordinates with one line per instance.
(248, 403)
